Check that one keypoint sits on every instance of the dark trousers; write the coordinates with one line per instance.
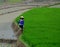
(21, 26)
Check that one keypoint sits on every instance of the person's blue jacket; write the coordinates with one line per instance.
(21, 22)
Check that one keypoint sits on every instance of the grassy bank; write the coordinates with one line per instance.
(42, 27)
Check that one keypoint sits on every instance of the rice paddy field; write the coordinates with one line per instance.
(10, 1)
(42, 27)
(14, 1)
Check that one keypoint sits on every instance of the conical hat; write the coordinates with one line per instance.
(21, 17)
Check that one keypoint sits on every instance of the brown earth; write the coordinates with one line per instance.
(18, 32)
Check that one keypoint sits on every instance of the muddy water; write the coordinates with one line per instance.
(6, 32)
(55, 6)
(7, 45)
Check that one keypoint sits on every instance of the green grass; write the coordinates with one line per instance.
(42, 27)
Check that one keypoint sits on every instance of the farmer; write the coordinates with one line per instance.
(21, 23)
